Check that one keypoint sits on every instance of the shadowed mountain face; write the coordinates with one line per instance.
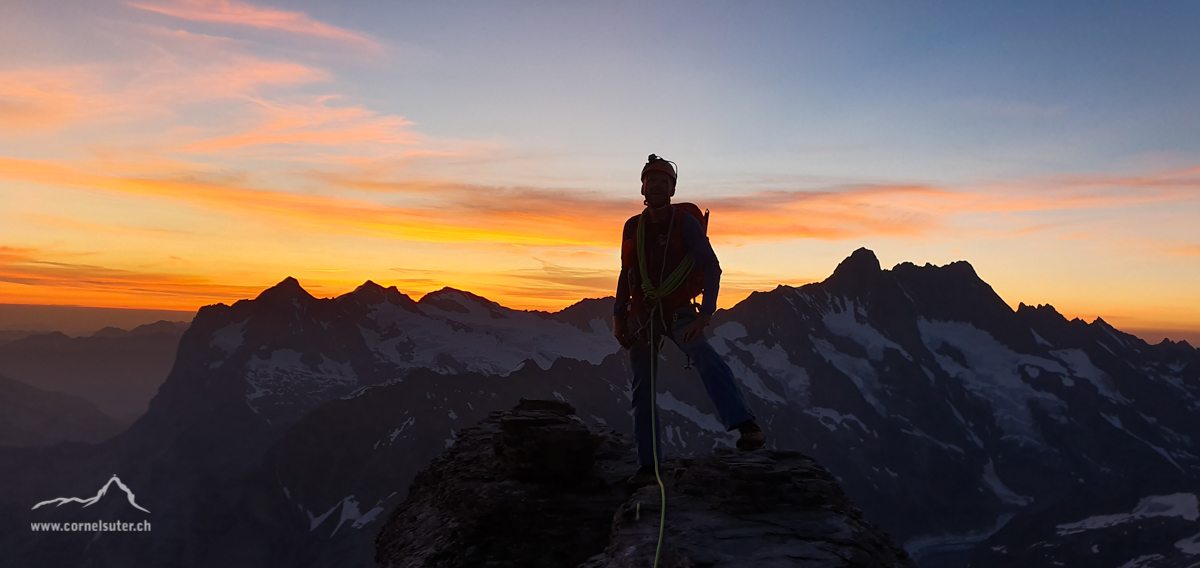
(30, 417)
(119, 371)
(290, 425)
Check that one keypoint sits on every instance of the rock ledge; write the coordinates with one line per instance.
(536, 487)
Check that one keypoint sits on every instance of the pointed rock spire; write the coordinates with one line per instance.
(287, 289)
(856, 271)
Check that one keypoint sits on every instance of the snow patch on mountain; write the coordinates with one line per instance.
(944, 445)
(749, 378)
(1040, 341)
(1006, 495)
(730, 331)
(1190, 545)
(490, 340)
(992, 372)
(1081, 366)
(860, 371)
(315, 521)
(832, 419)
(667, 401)
(230, 337)
(1183, 505)
(1116, 422)
(843, 319)
(1143, 561)
(773, 360)
(920, 546)
(285, 379)
(349, 512)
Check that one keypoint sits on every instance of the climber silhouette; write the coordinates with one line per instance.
(666, 261)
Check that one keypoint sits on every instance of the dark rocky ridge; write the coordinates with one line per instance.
(537, 487)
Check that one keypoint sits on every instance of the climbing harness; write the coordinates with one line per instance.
(654, 297)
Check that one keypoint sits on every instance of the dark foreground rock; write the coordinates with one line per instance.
(536, 487)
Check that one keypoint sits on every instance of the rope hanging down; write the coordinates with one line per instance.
(654, 297)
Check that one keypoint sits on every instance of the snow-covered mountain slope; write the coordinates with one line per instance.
(290, 425)
(293, 351)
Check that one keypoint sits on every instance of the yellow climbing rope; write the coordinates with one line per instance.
(654, 297)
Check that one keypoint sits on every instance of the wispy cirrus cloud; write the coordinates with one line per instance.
(41, 99)
(237, 13)
(313, 122)
(182, 71)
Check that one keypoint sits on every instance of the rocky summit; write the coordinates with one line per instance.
(538, 487)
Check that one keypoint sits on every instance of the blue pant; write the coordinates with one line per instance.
(718, 381)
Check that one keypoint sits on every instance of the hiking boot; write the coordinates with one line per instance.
(643, 477)
(752, 437)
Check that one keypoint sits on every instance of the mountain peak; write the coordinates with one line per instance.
(287, 289)
(368, 285)
(860, 262)
(1045, 310)
(446, 296)
(857, 269)
(370, 293)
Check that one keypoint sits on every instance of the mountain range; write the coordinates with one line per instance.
(289, 426)
(115, 369)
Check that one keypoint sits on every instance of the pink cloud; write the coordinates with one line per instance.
(242, 14)
(313, 123)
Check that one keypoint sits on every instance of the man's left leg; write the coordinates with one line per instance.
(717, 375)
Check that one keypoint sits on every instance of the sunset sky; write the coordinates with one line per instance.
(170, 154)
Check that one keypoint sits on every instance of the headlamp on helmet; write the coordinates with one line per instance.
(656, 163)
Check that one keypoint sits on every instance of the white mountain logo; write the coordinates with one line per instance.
(93, 500)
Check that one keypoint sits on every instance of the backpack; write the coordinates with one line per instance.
(694, 285)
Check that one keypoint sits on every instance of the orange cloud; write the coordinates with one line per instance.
(455, 212)
(330, 214)
(36, 99)
(898, 211)
(58, 222)
(27, 277)
(1193, 250)
(242, 14)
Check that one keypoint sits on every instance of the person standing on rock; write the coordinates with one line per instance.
(666, 261)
